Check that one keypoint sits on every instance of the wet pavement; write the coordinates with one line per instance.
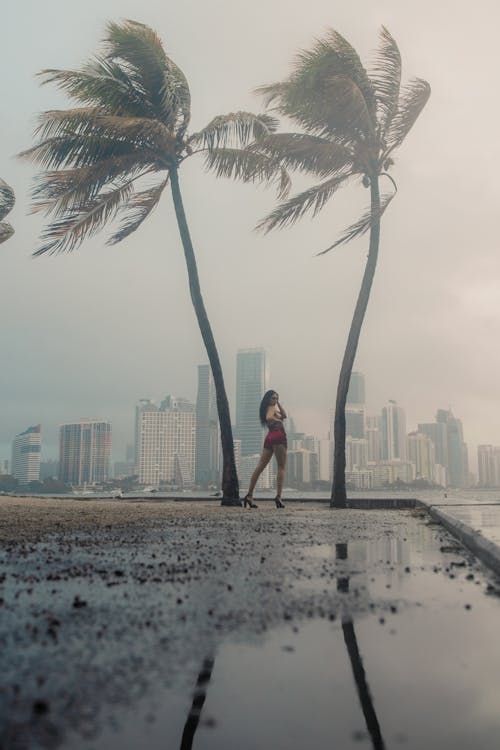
(202, 627)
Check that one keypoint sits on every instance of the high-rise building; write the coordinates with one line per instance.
(84, 451)
(457, 466)
(206, 469)
(393, 432)
(26, 449)
(438, 434)
(488, 461)
(4, 466)
(166, 442)
(356, 392)
(355, 407)
(325, 450)
(374, 438)
(421, 452)
(251, 384)
(356, 453)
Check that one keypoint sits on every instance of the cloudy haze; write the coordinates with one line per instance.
(89, 333)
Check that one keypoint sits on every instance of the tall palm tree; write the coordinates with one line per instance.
(115, 153)
(7, 200)
(351, 121)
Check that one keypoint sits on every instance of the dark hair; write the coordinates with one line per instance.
(264, 404)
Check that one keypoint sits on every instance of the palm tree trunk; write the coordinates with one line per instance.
(339, 495)
(230, 484)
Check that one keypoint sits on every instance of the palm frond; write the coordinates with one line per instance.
(248, 166)
(138, 132)
(6, 231)
(386, 79)
(101, 83)
(137, 208)
(176, 99)
(7, 199)
(413, 98)
(334, 56)
(64, 234)
(306, 153)
(76, 151)
(161, 82)
(63, 189)
(234, 129)
(313, 199)
(333, 107)
(360, 227)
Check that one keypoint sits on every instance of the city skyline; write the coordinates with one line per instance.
(361, 420)
(89, 333)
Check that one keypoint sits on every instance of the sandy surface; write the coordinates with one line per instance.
(32, 518)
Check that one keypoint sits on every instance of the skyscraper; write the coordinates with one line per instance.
(251, 384)
(26, 449)
(393, 432)
(356, 392)
(457, 450)
(488, 461)
(355, 407)
(206, 468)
(439, 435)
(166, 442)
(421, 452)
(84, 451)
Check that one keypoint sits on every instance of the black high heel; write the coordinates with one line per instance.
(278, 502)
(249, 501)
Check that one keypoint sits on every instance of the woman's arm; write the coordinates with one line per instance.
(283, 412)
(270, 413)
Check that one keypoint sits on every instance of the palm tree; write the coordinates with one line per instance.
(7, 200)
(351, 121)
(115, 153)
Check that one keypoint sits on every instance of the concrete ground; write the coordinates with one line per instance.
(165, 625)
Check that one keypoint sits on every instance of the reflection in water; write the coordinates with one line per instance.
(361, 684)
(365, 698)
(199, 698)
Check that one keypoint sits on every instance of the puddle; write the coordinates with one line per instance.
(375, 634)
(420, 680)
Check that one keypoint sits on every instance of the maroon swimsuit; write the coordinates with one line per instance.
(276, 435)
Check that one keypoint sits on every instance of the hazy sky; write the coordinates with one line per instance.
(89, 333)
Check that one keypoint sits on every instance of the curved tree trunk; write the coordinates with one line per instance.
(339, 495)
(230, 485)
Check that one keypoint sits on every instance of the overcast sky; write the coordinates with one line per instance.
(89, 333)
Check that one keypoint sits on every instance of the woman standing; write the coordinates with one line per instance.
(271, 414)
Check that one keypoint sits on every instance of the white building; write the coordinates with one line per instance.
(207, 433)
(84, 451)
(393, 432)
(247, 467)
(356, 453)
(421, 452)
(166, 438)
(488, 462)
(26, 449)
(325, 448)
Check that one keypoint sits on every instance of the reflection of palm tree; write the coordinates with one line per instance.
(351, 122)
(199, 698)
(6, 203)
(365, 698)
(131, 124)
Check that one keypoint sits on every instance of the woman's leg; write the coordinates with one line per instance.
(280, 455)
(263, 461)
